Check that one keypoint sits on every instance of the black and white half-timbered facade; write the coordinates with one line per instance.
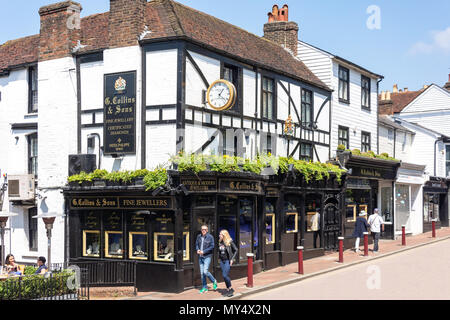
(135, 86)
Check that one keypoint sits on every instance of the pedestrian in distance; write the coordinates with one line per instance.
(315, 227)
(361, 226)
(227, 253)
(204, 245)
(376, 223)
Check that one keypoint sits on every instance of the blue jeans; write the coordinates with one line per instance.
(204, 263)
(225, 266)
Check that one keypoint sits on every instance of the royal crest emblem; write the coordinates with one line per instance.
(121, 84)
(288, 126)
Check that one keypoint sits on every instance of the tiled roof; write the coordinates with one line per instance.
(169, 19)
(387, 121)
(399, 101)
(18, 52)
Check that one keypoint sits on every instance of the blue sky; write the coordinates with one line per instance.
(412, 48)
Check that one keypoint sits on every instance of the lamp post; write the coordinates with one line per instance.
(4, 216)
(49, 219)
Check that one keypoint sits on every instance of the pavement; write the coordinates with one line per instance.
(288, 274)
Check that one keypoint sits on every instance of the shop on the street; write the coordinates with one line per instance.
(298, 213)
(370, 185)
(408, 198)
(435, 203)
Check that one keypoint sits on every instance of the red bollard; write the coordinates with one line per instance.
(366, 244)
(250, 270)
(341, 249)
(300, 260)
(433, 228)
(403, 235)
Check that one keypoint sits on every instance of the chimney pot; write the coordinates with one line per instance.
(406, 90)
(395, 90)
(383, 95)
(280, 30)
(388, 95)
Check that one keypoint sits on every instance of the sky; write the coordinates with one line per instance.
(406, 41)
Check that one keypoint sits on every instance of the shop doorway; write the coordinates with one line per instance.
(203, 217)
(332, 227)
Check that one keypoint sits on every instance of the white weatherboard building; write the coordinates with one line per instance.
(52, 102)
(424, 140)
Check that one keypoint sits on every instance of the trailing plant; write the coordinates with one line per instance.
(155, 179)
(224, 164)
(189, 163)
(139, 173)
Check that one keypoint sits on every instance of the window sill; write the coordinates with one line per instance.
(365, 108)
(344, 101)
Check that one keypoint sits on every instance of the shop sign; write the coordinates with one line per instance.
(272, 192)
(373, 173)
(121, 203)
(197, 185)
(119, 113)
(241, 186)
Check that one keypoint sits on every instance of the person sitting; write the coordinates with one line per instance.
(42, 268)
(11, 267)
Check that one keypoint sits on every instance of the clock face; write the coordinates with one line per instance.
(221, 95)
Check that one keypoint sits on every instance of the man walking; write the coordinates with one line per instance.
(376, 223)
(204, 245)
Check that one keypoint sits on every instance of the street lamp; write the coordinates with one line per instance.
(49, 219)
(4, 216)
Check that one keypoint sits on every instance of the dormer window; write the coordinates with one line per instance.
(32, 90)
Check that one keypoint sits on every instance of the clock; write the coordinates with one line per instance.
(221, 95)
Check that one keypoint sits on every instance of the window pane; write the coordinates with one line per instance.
(401, 206)
(164, 246)
(245, 223)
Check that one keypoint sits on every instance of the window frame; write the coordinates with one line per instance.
(30, 138)
(346, 129)
(368, 90)
(345, 100)
(32, 230)
(32, 70)
(238, 84)
(265, 99)
(84, 253)
(130, 245)
(363, 143)
(304, 107)
(309, 157)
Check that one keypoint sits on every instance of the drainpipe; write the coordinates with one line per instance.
(395, 140)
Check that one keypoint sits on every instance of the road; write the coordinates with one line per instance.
(422, 273)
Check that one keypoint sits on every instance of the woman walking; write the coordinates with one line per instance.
(227, 254)
(361, 226)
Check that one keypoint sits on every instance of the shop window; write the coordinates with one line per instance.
(350, 213)
(402, 206)
(164, 246)
(186, 256)
(227, 215)
(310, 217)
(365, 208)
(268, 98)
(138, 248)
(137, 225)
(114, 244)
(431, 207)
(269, 223)
(291, 218)
(245, 227)
(386, 203)
(91, 243)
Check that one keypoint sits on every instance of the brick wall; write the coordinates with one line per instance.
(60, 29)
(126, 22)
(283, 33)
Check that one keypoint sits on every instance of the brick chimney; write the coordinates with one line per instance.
(280, 30)
(60, 29)
(126, 22)
(447, 85)
(385, 104)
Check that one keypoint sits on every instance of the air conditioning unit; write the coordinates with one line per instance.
(21, 187)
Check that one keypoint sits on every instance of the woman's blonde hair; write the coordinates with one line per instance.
(226, 237)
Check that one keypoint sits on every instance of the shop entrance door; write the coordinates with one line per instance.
(203, 217)
(332, 227)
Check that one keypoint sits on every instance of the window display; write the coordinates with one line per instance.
(113, 244)
(310, 216)
(91, 243)
(186, 256)
(164, 246)
(270, 228)
(228, 223)
(364, 207)
(291, 217)
(350, 213)
(402, 208)
(138, 245)
(386, 204)
(245, 223)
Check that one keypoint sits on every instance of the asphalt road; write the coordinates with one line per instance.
(418, 274)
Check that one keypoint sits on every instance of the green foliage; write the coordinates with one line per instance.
(35, 286)
(155, 179)
(80, 178)
(139, 173)
(189, 163)
(341, 147)
(372, 155)
(113, 176)
(99, 174)
(356, 152)
(29, 270)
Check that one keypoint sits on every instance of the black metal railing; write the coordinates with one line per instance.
(58, 286)
(109, 273)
